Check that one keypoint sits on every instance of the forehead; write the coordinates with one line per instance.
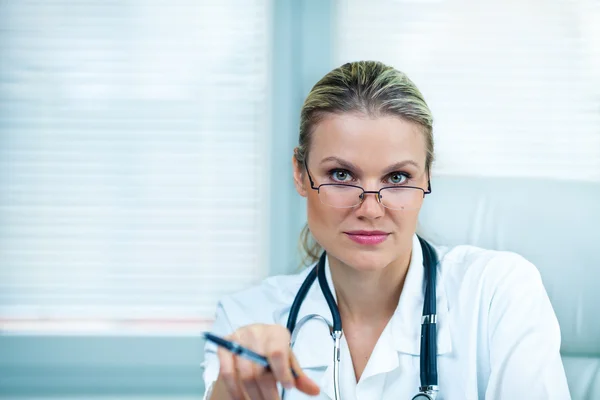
(368, 141)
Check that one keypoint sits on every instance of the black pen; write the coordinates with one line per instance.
(241, 351)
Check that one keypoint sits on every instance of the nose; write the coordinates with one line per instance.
(370, 207)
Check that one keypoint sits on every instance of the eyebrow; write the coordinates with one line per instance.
(392, 168)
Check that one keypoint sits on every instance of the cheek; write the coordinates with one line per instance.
(405, 222)
(315, 210)
(322, 219)
(407, 219)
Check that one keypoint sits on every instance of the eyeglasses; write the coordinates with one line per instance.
(341, 195)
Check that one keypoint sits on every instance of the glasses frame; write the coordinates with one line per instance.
(377, 193)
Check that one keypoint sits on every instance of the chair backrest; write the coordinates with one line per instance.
(556, 226)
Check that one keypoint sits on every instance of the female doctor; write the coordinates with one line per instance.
(363, 163)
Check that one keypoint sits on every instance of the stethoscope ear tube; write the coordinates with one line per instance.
(428, 355)
(429, 320)
(295, 309)
(335, 314)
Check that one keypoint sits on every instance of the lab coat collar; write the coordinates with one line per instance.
(314, 346)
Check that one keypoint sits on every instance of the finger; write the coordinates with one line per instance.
(303, 382)
(278, 353)
(268, 386)
(247, 374)
(228, 374)
(279, 360)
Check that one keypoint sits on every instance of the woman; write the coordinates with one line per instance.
(366, 127)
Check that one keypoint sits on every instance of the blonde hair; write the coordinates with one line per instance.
(368, 87)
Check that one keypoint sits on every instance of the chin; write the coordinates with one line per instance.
(365, 260)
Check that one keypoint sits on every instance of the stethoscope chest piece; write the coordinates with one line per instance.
(423, 396)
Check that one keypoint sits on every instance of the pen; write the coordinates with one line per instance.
(241, 351)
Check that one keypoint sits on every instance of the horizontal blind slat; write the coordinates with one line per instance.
(132, 167)
(514, 87)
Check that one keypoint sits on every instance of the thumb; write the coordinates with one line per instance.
(303, 382)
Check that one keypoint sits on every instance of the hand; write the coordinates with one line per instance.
(241, 379)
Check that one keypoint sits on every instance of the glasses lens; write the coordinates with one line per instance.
(402, 198)
(340, 196)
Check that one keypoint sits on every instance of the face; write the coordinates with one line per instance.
(372, 153)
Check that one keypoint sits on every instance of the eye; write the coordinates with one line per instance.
(398, 178)
(340, 175)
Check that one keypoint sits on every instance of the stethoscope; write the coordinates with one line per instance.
(428, 357)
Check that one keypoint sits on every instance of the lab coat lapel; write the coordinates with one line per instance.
(384, 358)
(406, 322)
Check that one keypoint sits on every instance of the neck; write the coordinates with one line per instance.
(369, 295)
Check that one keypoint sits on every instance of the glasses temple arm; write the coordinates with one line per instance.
(312, 184)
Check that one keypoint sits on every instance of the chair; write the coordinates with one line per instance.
(555, 225)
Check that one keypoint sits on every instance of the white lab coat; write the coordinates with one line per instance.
(498, 336)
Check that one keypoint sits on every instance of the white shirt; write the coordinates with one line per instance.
(497, 334)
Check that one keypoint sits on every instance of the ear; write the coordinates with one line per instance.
(299, 176)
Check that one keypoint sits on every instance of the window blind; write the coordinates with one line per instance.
(514, 86)
(133, 172)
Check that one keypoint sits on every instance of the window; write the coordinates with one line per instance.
(514, 87)
(134, 161)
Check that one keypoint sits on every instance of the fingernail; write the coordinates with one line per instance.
(288, 385)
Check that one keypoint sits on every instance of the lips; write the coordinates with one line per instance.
(367, 237)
